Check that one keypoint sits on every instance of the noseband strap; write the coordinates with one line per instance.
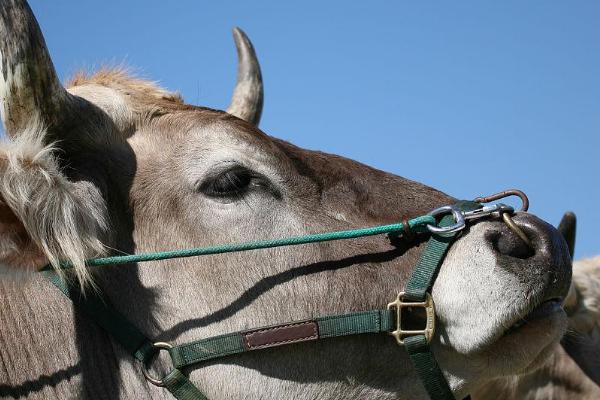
(388, 320)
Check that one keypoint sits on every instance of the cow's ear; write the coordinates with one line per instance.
(17, 251)
(568, 229)
(44, 216)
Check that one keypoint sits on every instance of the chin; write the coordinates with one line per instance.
(527, 345)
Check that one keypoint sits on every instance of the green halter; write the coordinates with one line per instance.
(388, 320)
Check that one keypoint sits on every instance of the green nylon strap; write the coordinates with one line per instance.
(417, 347)
(180, 386)
(112, 321)
(424, 274)
(419, 284)
(427, 368)
(418, 224)
(131, 338)
(373, 321)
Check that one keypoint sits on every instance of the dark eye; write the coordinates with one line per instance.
(231, 183)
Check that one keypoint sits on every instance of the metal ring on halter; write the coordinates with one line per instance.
(155, 381)
(459, 221)
(506, 193)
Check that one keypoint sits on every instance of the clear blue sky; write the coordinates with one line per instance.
(469, 97)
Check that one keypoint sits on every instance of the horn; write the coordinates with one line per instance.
(247, 100)
(567, 228)
(29, 86)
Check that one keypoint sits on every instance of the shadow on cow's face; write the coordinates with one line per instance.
(172, 176)
(221, 180)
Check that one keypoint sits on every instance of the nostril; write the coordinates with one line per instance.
(509, 244)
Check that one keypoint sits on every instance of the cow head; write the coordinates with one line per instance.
(114, 163)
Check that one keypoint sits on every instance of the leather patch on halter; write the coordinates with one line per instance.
(282, 334)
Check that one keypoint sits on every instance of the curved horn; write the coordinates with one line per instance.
(247, 100)
(29, 86)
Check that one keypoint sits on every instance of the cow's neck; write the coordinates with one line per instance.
(146, 295)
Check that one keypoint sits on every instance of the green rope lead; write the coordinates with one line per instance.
(418, 224)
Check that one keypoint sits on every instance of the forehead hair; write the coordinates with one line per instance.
(122, 81)
(133, 102)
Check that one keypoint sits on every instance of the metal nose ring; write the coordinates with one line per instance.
(506, 215)
(516, 229)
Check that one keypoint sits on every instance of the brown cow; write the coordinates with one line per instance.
(116, 164)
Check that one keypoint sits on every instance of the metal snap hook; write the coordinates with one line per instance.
(493, 210)
(459, 221)
(506, 193)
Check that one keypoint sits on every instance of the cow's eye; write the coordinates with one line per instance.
(233, 182)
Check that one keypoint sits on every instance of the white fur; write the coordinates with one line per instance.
(109, 100)
(63, 218)
(560, 378)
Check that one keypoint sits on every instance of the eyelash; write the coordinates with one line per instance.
(233, 182)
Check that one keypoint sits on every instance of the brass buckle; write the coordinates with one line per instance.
(429, 307)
